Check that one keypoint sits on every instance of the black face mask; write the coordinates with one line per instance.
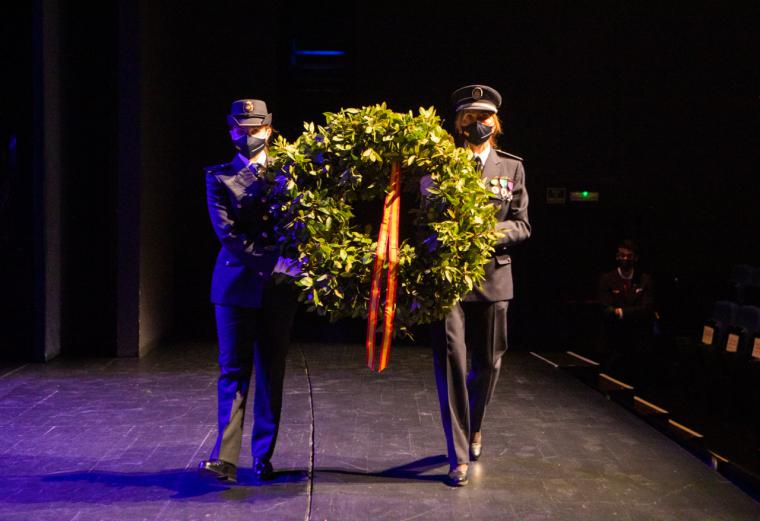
(625, 264)
(249, 146)
(477, 133)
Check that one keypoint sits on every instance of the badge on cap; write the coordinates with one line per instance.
(477, 93)
(248, 106)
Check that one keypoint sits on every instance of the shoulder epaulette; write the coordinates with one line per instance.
(215, 168)
(507, 154)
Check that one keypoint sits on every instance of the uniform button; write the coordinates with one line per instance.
(226, 263)
(265, 217)
(261, 274)
(264, 235)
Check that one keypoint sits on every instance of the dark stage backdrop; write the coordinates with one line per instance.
(654, 108)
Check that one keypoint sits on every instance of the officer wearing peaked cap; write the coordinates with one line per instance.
(463, 396)
(254, 313)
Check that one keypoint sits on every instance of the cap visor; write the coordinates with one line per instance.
(250, 122)
(478, 105)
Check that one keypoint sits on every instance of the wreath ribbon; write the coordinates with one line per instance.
(387, 244)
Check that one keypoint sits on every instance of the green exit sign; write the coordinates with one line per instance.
(584, 196)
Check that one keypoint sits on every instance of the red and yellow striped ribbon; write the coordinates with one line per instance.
(387, 243)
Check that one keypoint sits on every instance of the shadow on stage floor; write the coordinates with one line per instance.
(120, 439)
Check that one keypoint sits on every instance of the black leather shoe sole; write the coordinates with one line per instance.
(218, 469)
(457, 478)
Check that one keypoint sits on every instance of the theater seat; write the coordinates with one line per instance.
(714, 329)
(746, 328)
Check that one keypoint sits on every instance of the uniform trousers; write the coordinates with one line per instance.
(251, 338)
(481, 329)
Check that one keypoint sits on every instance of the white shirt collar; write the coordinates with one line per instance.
(484, 154)
(260, 159)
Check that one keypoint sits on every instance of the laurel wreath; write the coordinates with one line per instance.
(319, 180)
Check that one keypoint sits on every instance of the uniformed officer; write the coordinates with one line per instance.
(254, 314)
(478, 323)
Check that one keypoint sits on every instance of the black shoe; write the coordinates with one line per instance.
(218, 469)
(475, 450)
(262, 469)
(458, 478)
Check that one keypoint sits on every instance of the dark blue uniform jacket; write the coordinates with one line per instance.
(241, 221)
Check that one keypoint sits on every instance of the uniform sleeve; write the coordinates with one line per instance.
(516, 228)
(235, 241)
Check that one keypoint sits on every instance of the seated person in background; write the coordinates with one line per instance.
(627, 299)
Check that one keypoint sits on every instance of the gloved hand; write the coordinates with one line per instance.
(425, 183)
(286, 266)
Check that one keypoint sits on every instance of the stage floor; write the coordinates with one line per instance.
(119, 439)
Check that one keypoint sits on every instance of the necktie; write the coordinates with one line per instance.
(256, 169)
(478, 164)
